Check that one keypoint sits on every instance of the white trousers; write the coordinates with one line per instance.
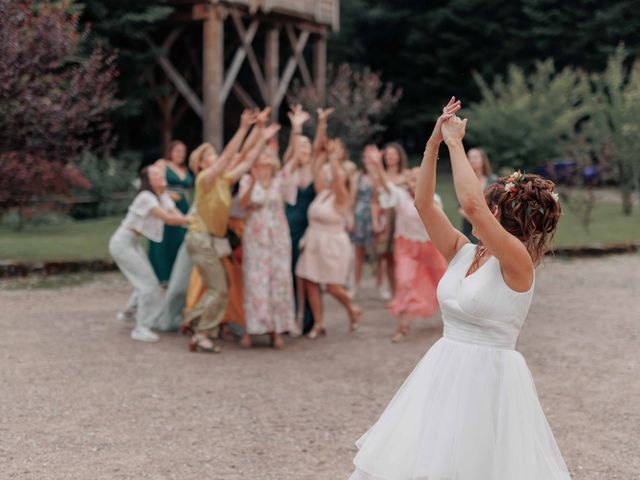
(133, 262)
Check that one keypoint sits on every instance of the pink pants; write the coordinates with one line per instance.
(418, 268)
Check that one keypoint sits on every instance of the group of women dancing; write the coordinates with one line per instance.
(263, 238)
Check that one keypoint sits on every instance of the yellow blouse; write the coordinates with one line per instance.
(213, 203)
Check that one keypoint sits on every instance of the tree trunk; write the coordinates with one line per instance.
(626, 184)
(627, 203)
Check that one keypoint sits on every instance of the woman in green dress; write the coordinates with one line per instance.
(179, 185)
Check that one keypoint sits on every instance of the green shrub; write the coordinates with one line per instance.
(525, 122)
(111, 185)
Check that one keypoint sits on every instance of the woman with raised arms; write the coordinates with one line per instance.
(469, 410)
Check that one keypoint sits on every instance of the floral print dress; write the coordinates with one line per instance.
(266, 262)
(362, 235)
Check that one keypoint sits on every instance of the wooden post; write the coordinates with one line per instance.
(212, 76)
(320, 67)
(272, 67)
(166, 105)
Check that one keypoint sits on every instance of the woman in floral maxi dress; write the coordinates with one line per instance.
(267, 279)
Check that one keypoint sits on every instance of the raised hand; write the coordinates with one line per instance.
(297, 116)
(325, 113)
(247, 118)
(448, 112)
(262, 117)
(270, 131)
(453, 130)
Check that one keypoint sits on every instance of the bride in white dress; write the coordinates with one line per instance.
(469, 410)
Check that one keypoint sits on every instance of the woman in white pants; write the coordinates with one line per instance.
(147, 214)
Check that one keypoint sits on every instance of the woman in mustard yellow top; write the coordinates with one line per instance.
(205, 240)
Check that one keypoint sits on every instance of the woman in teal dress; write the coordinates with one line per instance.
(298, 223)
(300, 146)
(179, 184)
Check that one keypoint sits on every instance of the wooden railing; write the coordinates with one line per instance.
(326, 12)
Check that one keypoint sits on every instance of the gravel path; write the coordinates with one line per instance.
(80, 400)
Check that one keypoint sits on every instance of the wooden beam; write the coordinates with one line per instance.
(251, 56)
(200, 11)
(242, 95)
(302, 64)
(320, 68)
(272, 66)
(171, 38)
(212, 75)
(180, 113)
(289, 70)
(238, 59)
(178, 81)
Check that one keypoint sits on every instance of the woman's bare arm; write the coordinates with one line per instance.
(373, 160)
(223, 161)
(245, 196)
(318, 162)
(170, 217)
(444, 236)
(515, 261)
(320, 140)
(297, 117)
(246, 164)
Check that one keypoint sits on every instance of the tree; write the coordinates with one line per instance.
(432, 49)
(526, 122)
(613, 129)
(124, 26)
(54, 101)
(529, 121)
(361, 101)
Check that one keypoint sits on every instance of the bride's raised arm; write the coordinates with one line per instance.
(515, 261)
(444, 236)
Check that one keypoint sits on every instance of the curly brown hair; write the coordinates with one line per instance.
(529, 211)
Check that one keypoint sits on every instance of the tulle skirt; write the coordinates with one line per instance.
(466, 412)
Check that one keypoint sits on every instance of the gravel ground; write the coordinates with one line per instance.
(80, 400)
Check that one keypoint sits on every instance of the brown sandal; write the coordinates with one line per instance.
(400, 335)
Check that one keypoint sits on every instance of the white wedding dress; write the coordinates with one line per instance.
(469, 410)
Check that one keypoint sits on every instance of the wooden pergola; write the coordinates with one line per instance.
(292, 30)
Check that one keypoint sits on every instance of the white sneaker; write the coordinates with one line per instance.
(126, 317)
(143, 334)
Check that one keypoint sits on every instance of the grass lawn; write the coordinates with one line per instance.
(89, 239)
(609, 225)
(85, 240)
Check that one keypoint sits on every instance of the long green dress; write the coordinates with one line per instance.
(163, 255)
(298, 223)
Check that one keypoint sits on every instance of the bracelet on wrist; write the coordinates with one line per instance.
(427, 149)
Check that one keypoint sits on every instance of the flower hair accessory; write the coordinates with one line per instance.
(513, 182)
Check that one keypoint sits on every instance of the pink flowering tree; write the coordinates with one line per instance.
(361, 101)
(54, 100)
